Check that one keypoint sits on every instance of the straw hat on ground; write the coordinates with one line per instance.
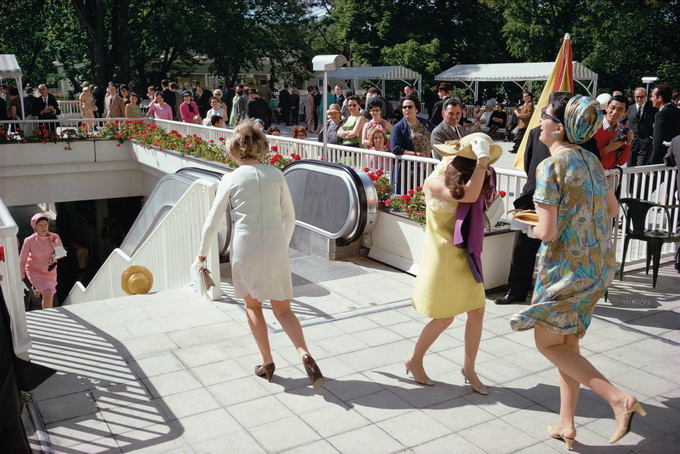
(136, 280)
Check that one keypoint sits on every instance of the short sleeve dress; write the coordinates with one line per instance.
(445, 286)
(263, 219)
(578, 265)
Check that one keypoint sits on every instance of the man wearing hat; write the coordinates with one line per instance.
(444, 94)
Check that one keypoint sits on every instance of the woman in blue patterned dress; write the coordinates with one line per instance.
(576, 261)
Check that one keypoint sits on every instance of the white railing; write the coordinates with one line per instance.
(12, 286)
(70, 109)
(168, 252)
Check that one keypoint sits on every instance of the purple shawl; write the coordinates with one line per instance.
(468, 233)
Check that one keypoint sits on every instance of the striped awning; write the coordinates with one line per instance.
(9, 68)
(373, 73)
(508, 72)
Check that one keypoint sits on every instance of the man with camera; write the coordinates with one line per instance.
(614, 140)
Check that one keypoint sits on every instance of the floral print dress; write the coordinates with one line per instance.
(577, 266)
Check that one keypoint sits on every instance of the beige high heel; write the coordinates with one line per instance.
(569, 441)
(421, 381)
(636, 408)
(479, 390)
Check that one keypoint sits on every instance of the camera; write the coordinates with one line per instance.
(621, 137)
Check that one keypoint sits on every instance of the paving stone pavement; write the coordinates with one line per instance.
(172, 372)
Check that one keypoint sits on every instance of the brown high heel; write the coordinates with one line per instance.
(636, 408)
(313, 371)
(569, 441)
(266, 371)
(421, 381)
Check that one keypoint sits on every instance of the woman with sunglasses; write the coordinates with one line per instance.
(188, 109)
(350, 131)
(215, 109)
(410, 137)
(576, 262)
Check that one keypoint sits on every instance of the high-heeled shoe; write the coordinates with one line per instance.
(636, 408)
(313, 371)
(421, 381)
(569, 441)
(478, 389)
(266, 371)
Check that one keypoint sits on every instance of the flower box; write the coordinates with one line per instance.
(398, 241)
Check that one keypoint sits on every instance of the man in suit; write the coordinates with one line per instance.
(46, 107)
(523, 116)
(525, 248)
(285, 101)
(666, 122)
(436, 114)
(449, 129)
(672, 159)
(641, 122)
(202, 100)
(114, 104)
(168, 95)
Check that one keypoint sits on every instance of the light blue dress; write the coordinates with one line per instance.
(576, 267)
(263, 219)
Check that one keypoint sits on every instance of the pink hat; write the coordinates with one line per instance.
(37, 217)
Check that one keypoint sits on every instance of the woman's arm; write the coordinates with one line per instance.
(612, 205)
(364, 135)
(473, 187)
(388, 126)
(288, 212)
(23, 257)
(212, 222)
(547, 222)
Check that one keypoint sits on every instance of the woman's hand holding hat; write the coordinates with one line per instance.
(480, 147)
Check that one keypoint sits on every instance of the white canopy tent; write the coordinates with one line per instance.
(517, 73)
(9, 69)
(375, 74)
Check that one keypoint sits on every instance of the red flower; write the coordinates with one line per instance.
(366, 169)
(222, 138)
(502, 193)
(406, 198)
(419, 188)
(410, 192)
(275, 158)
(379, 172)
(296, 157)
(373, 176)
(274, 148)
(65, 148)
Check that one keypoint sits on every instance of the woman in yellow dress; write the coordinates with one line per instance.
(449, 280)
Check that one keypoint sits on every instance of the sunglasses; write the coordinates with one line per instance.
(408, 106)
(545, 116)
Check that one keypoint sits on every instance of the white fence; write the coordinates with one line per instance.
(12, 286)
(167, 252)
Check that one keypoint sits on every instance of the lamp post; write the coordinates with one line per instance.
(648, 80)
(326, 63)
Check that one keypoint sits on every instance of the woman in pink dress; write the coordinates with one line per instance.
(188, 109)
(38, 259)
(159, 108)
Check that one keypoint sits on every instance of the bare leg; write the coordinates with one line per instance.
(47, 299)
(563, 352)
(473, 336)
(258, 327)
(427, 337)
(290, 324)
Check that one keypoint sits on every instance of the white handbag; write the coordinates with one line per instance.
(493, 212)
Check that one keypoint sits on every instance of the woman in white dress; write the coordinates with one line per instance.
(263, 221)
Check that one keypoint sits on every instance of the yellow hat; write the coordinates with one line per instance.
(463, 147)
(136, 280)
